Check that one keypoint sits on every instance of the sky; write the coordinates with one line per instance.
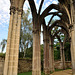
(5, 14)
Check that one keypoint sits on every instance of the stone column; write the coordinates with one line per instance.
(51, 55)
(36, 53)
(46, 51)
(8, 43)
(11, 59)
(62, 55)
(72, 29)
(73, 49)
(63, 58)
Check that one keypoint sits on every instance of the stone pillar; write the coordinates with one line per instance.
(51, 55)
(36, 53)
(73, 49)
(46, 51)
(63, 58)
(11, 59)
(62, 55)
(72, 29)
(1, 65)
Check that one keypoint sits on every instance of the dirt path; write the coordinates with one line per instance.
(64, 72)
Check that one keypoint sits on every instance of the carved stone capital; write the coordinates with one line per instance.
(14, 9)
(70, 39)
(71, 27)
(20, 11)
(50, 45)
(36, 31)
(46, 40)
(73, 1)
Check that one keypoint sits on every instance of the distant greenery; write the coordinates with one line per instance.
(58, 70)
(67, 51)
(2, 54)
(3, 44)
(57, 51)
(29, 52)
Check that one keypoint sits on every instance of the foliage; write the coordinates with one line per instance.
(26, 32)
(56, 54)
(67, 51)
(29, 52)
(2, 54)
(3, 44)
(56, 51)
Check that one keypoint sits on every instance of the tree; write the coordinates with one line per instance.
(67, 51)
(57, 51)
(26, 32)
(3, 44)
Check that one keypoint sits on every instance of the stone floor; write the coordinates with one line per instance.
(64, 72)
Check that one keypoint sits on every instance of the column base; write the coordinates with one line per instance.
(46, 71)
(73, 71)
(52, 70)
(36, 72)
(73, 74)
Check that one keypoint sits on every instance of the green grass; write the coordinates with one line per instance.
(61, 69)
(28, 73)
(58, 70)
(2, 54)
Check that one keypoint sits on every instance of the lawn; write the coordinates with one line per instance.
(30, 73)
(27, 73)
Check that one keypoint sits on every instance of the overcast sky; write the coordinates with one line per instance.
(5, 14)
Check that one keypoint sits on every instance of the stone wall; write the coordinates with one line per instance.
(25, 65)
(58, 64)
(1, 65)
(68, 64)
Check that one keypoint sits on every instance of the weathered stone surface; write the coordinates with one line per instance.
(58, 64)
(24, 65)
(1, 65)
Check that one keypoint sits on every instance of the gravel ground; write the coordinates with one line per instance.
(64, 72)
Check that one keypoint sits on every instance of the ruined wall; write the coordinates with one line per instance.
(58, 64)
(1, 65)
(25, 65)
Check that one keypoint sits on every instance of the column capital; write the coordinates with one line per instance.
(20, 11)
(46, 40)
(36, 31)
(50, 45)
(73, 1)
(13, 9)
(71, 27)
(17, 5)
